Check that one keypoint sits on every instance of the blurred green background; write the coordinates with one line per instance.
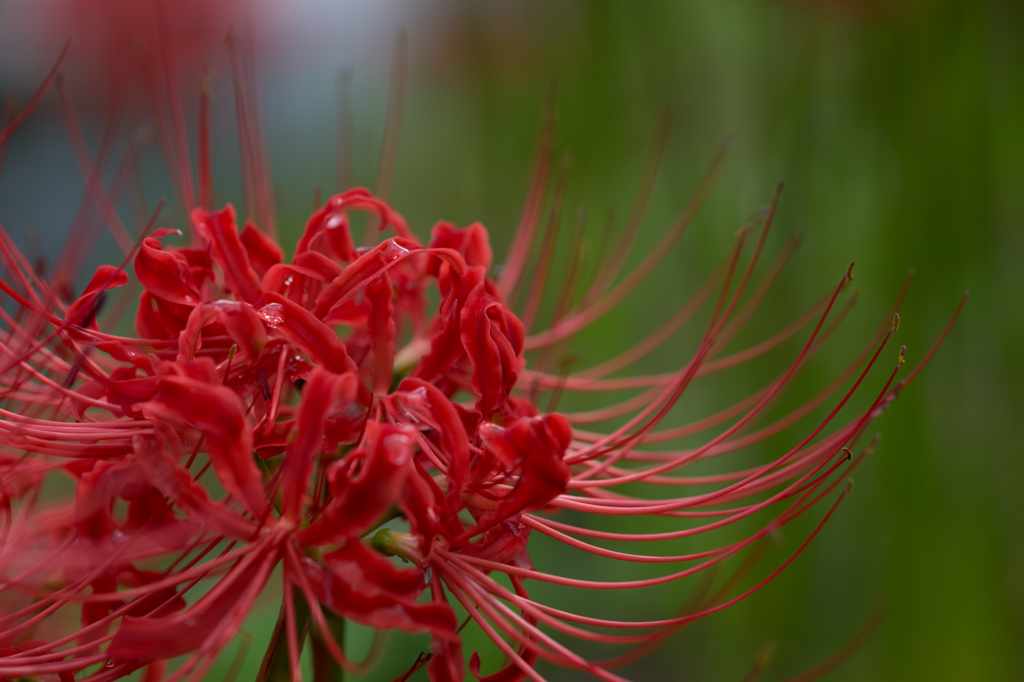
(899, 132)
(898, 129)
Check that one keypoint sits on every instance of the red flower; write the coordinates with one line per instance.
(329, 400)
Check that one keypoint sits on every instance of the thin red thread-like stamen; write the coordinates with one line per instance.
(573, 323)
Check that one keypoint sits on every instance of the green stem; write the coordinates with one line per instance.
(276, 666)
(325, 668)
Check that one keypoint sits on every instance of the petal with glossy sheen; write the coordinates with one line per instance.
(428, 404)
(380, 609)
(493, 339)
(263, 251)
(228, 251)
(190, 339)
(472, 242)
(359, 500)
(369, 572)
(219, 414)
(158, 455)
(303, 330)
(446, 347)
(373, 263)
(83, 311)
(164, 274)
(380, 328)
(323, 394)
(536, 447)
(243, 325)
(332, 222)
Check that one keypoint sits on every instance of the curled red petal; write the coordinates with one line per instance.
(500, 544)
(190, 339)
(380, 328)
(323, 394)
(428, 404)
(95, 493)
(263, 251)
(371, 264)
(165, 274)
(219, 414)
(157, 455)
(369, 572)
(379, 609)
(536, 448)
(446, 347)
(325, 268)
(493, 339)
(83, 311)
(303, 330)
(420, 500)
(358, 500)
(331, 222)
(472, 242)
(228, 251)
(127, 391)
(286, 278)
(147, 362)
(149, 322)
(243, 325)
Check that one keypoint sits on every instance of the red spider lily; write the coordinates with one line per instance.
(329, 400)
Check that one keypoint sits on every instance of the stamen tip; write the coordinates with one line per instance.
(895, 322)
(849, 272)
(902, 358)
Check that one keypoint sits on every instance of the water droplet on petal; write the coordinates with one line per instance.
(272, 314)
(391, 251)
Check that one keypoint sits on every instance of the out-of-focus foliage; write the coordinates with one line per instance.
(900, 136)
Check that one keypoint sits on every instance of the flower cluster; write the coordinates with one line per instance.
(271, 413)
